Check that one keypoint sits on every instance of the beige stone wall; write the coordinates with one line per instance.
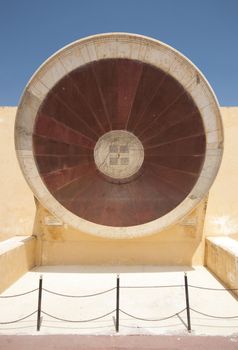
(222, 208)
(17, 207)
(17, 256)
(222, 259)
(181, 244)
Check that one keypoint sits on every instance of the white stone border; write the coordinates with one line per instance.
(118, 45)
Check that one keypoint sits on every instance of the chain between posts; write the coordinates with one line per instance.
(18, 295)
(213, 316)
(78, 296)
(153, 320)
(214, 289)
(20, 319)
(117, 310)
(78, 321)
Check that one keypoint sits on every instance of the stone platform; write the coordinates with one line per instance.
(158, 310)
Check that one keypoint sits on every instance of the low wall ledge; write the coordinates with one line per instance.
(226, 243)
(14, 242)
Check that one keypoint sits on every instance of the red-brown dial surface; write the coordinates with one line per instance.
(125, 95)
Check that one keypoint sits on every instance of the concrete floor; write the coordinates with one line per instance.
(151, 303)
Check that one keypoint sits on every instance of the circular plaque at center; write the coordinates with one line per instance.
(119, 155)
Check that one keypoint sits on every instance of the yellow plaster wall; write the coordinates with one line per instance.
(181, 244)
(222, 208)
(222, 259)
(17, 256)
(17, 207)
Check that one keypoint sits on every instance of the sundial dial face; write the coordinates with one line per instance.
(119, 135)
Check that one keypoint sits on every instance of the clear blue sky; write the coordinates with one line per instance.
(206, 31)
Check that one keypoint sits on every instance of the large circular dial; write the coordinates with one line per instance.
(124, 138)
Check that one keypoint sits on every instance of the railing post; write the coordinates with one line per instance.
(187, 302)
(118, 303)
(39, 304)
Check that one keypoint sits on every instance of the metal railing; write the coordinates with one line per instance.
(117, 310)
